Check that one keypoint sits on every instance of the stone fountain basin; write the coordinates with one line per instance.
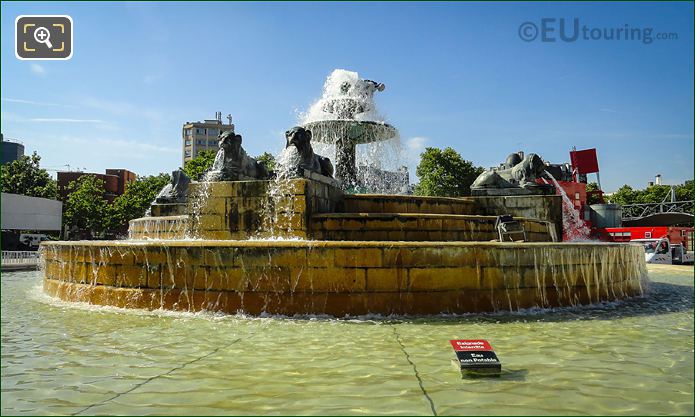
(357, 131)
(341, 278)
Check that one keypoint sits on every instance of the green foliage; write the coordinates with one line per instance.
(137, 198)
(445, 173)
(268, 159)
(198, 165)
(592, 198)
(85, 208)
(653, 194)
(23, 176)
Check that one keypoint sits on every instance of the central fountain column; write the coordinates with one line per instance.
(345, 155)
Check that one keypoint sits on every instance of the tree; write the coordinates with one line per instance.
(23, 176)
(652, 194)
(135, 201)
(85, 208)
(686, 191)
(592, 198)
(445, 173)
(198, 165)
(268, 159)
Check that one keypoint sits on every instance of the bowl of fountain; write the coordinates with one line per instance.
(298, 243)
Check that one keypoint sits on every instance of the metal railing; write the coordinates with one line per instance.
(23, 257)
(635, 211)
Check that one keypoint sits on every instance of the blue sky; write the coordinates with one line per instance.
(457, 74)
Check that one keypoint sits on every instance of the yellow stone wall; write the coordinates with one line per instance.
(419, 227)
(338, 278)
(241, 210)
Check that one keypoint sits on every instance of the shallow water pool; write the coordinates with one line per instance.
(632, 357)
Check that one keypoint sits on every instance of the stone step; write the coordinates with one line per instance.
(417, 227)
(162, 227)
(377, 203)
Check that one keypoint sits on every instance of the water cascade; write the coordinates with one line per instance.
(574, 229)
(304, 243)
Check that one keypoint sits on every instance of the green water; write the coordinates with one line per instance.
(634, 357)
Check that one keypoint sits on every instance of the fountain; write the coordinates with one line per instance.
(346, 116)
(298, 243)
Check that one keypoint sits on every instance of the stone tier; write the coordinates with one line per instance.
(419, 227)
(314, 208)
(379, 203)
(341, 278)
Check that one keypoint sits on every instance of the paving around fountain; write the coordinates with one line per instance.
(299, 241)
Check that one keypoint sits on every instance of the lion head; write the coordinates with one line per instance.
(300, 138)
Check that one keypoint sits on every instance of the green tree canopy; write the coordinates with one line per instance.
(137, 198)
(445, 173)
(268, 159)
(592, 198)
(652, 194)
(23, 176)
(198, 165)
(86, 208)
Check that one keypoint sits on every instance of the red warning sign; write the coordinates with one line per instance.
(466, 345)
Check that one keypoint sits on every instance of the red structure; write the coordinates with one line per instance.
(115, 182)
(574, 185)
(676, 235)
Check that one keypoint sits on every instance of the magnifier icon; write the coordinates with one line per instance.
(42, 35)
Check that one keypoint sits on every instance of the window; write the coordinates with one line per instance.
(188, 142)
(188, 132)
(213, 132)
(663, 248)
(187, 153)
(212, 143)
(199, 131)
(200, 141)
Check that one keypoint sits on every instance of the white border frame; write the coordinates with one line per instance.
(72, 37)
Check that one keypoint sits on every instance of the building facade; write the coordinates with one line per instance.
(11, 150)
(115, 182)
(202, 136)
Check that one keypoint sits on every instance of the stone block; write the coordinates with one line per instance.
(399, 257)
(387, 279)
(329, 279)
(220, 279)
(154, 275)
(416, 236)
(320, 257)
(358, 257)
(211, 222)
(273, 279)
(440, 279)
(130, 276)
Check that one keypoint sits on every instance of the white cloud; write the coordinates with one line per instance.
(412, 150)
(131, 148)
(38, 69)
(416, 144)
(31, 102)
(64, 120)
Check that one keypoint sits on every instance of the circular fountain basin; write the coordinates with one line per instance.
(357, 131)
(341, 278)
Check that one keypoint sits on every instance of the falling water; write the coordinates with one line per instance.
(573, 227)
(379, 163)
(277, 210)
